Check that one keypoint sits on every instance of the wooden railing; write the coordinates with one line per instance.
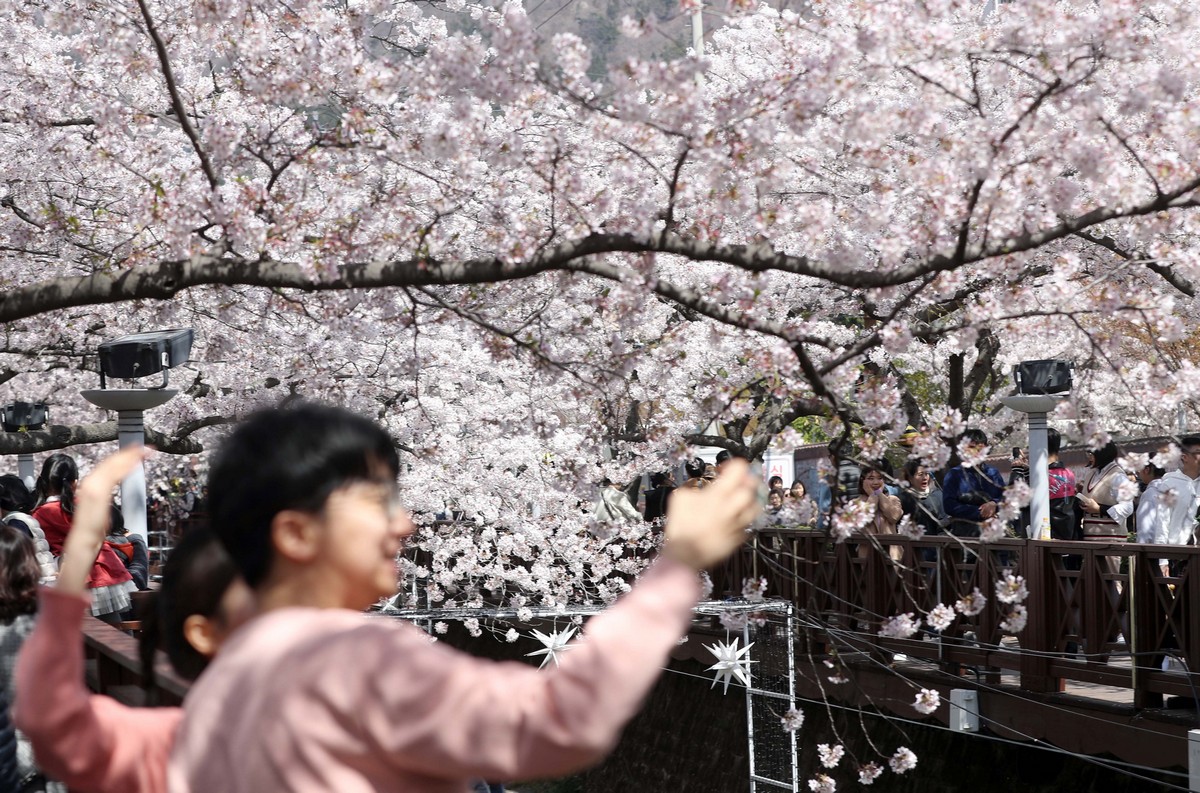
(114, 668)
(1089, 603)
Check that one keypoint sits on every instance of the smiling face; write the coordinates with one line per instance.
(357, 537)
(871, 481)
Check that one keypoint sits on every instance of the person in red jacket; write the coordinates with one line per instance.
(109, 583)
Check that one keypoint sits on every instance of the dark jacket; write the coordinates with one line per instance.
(656, 502)
(965, 491)
(132, 551)
(926, 511)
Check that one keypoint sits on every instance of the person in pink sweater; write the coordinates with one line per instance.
(313, 695)
(92, 743)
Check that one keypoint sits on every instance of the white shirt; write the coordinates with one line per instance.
(1166, 514)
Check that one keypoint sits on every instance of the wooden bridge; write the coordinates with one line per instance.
(1085, 674)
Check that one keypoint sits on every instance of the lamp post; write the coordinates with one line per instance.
(128, 358)
(1041, 385)
(22, 417)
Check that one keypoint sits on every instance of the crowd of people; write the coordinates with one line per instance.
(296, 688)
(1102, 502)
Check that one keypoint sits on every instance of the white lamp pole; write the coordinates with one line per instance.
(130, 405)
(1037, 406)
(26, 469)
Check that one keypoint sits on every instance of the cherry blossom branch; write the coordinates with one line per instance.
(60, 436)
(185, 123)
(164, 279)
(1166, 271)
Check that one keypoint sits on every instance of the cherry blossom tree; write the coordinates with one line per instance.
(536, 276)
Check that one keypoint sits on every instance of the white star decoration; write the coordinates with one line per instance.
(730, 663)
(555, 643)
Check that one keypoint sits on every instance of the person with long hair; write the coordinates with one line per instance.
(312, 694)
(885, 508)
(1105, 508)
(109, 583)
(91, 742)
(19, 575)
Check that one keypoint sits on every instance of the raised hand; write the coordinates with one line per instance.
(93, 497)
(706, 525)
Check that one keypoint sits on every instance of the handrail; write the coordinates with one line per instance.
(1089, 602)
(117, 669)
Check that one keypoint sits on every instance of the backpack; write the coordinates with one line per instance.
(122, 546)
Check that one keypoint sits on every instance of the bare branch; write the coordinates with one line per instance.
(176, 100)
(60, 436)
(1166, 271)
(165, 279)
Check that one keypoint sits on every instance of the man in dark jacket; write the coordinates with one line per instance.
(971, 494)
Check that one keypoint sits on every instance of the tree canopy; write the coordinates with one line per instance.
(536, 275)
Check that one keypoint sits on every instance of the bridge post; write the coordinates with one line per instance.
(1036, 640)
(1194, 760)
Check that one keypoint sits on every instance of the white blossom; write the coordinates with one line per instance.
(822, 783)
(972, 604)
(902, 761)
(940, 617)
(868, 773)
(1016, 619)
(1011, 588)
(927, 701)
(793, 720)
(830, 756)
(901, 626)
(753, 589)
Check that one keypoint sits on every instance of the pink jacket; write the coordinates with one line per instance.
(320, 700)
(90, 742)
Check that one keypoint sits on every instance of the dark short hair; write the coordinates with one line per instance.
(1189, 440)
(695, 467)
(116, 520)
(196, 577)
(19, 574)
(660, 478)
(911, 467)
(1106, 454)
(975, 435)
(775, 479)
(14, 495)
(1053, 441)
(293, 457)
(1155, 470)
(723, 455)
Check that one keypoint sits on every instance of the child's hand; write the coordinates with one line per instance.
(705, 526)
(93, 499)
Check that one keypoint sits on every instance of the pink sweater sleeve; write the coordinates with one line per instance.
(442, 713)
(89, 742)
